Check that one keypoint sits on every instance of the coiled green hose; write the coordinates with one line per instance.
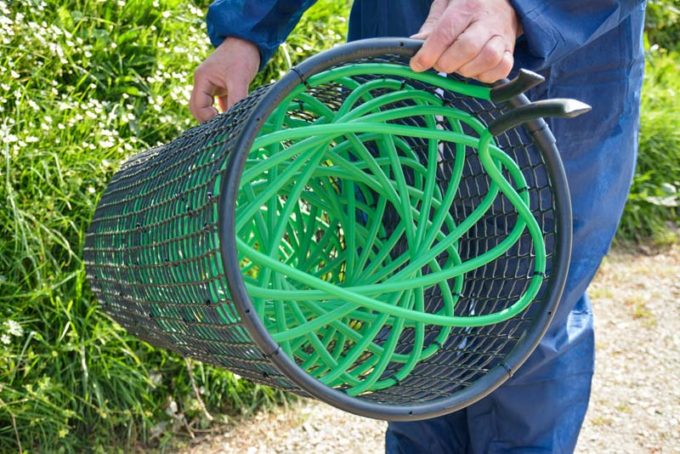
(321, 266)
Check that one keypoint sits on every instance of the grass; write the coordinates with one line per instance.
(601, 421)
(639, 311)
(652, 210)
(624, 408)
(87, 83)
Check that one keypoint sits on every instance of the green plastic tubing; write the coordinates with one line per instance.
(317, 259)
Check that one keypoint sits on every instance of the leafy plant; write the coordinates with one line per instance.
(84, 85)
(652, 209)
(662, 23)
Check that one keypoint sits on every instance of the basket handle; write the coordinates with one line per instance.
(508, 89)
(558, 107)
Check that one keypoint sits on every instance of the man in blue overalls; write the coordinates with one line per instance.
(587, 50)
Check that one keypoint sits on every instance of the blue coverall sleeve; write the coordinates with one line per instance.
(266, 23)
(555, 28)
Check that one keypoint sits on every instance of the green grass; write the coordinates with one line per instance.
(663, 23)
(652, 209)
(84, 85)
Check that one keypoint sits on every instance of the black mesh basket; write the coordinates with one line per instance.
(389, 242)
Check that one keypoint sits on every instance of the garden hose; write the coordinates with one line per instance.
(394, 243)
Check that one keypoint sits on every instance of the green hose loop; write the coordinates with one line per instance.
(319, 262)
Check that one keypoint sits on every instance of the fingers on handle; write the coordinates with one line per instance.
(444, 33)
(466, 47)
(237, 89)
(202, 98)
(486, 59)
(223, 101)
(500, 71)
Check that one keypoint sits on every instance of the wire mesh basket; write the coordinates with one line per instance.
(390, 242)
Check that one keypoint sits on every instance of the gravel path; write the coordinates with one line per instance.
(635, 407)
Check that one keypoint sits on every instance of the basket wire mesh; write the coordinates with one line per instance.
(357, 232)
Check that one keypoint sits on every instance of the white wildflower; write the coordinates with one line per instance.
(5, 339)
(14, 328)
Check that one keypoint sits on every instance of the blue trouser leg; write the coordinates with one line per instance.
(439, 435)
(540, 409)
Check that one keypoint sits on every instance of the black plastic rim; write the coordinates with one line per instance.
(495, 377)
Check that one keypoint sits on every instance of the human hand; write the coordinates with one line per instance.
(474, 38)
(227, 74)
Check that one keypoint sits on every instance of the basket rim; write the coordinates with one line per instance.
(230, 184)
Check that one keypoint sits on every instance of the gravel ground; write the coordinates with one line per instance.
(635, 406)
